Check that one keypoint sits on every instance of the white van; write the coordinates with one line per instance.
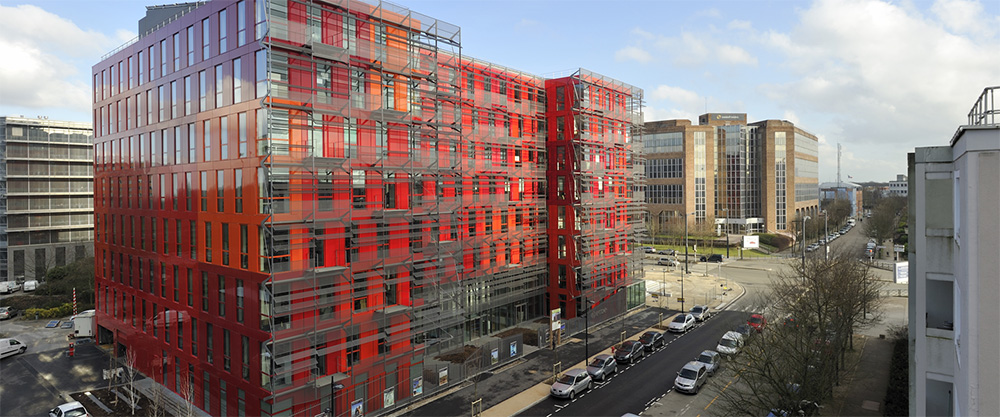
(10, 347)
(730, 344)
(7, 287)
(30, 285)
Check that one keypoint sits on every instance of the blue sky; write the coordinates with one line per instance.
(878, 77)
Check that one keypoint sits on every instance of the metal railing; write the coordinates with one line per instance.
(985, 111)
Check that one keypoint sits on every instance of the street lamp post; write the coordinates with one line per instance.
(586, 339)
(686, 259)
(726, 215)
(826, 238)
(804, 243)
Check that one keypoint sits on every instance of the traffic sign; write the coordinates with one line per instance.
(680, 299)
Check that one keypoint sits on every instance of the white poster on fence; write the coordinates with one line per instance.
(751, 242)
(902, 272)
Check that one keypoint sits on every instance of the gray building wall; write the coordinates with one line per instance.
(46, 207)
(954, 259)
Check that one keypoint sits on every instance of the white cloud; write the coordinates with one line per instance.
(964, 16)
(739, 25)
(633, 53)
(729, 54)
(676, 95)
(883, 77)
(791, 117)
(50, 53)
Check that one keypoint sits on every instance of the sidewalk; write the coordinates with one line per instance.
(523, 384)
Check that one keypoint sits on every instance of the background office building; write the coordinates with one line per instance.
(843, 190)
(744, 177)
(46, 195)
(899, 187)
(954, 259)
(301, 205)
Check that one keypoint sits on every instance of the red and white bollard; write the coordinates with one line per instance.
(72, 349)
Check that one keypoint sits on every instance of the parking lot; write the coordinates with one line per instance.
(43, 377)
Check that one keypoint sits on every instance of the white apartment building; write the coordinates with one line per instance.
(954, 263)
(899, 187)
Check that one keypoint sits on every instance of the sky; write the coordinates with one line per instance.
(877, 77)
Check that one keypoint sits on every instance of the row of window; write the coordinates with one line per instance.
(126, 230)
(665, 194)
(134, 70)
(187, 96)
(665, 168)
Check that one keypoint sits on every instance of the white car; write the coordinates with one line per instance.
(730, 344)
(9, 287)
(681, 323)
(30, 285)
(73, 409)
(691, 377)
(11, 347)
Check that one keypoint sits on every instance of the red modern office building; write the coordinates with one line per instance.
(301, 205)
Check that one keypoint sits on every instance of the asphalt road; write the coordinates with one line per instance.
(634, 387)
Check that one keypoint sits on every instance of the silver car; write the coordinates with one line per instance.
(681, 323)
(701, 313)
(691, 377)
(573, 382)
(602, 366)
(712, 361)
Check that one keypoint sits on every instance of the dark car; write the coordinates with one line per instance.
(711, 258)
(650, 340)
(744, 329)
(629, 351)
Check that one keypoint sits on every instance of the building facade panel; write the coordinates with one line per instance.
(328, 196)
(46, 195)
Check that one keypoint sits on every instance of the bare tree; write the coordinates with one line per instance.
(187, 392)
(130, 375)
(882, 224)
(794, 363)
(112, 373)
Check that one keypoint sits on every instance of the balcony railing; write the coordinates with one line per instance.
(985, 111)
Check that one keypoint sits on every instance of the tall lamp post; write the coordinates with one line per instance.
(726, 215)
(826, 231)
(804, 243)
(686, 260)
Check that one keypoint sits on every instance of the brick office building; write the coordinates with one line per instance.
(747, 177)
(299, 205)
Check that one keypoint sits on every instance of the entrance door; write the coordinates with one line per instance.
(520, 314)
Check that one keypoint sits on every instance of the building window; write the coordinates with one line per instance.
(239, 300)
(224, 137)
(244, 256)
(225, 243)
(242, 120)
(206, 138)
(237, 80)
(190, 45)
(205, 29)
(241, 23)
(223, 28)
(222, 296)
(218, 86)
(208, 241)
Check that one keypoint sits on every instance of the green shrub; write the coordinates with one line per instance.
(780, 242)
(49, 313)
(897, 395)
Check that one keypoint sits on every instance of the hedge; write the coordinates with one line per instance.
(49, 313)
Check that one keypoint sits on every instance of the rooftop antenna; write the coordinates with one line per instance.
(838, 165)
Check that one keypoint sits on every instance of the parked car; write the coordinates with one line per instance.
(712, 361)
(744, 329)
(629, 351)
(30, 285)
(10, 347)
(757, 321)
(691, 377)
(681, 323)
(730, 344)
(73, 409)
(8, 287)
(573, 382)
(668, 252)
(711, 258)
(701, 313)
(648, 249)
(602, 366)
(667, 261)
(7, 313)
(650, 340)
